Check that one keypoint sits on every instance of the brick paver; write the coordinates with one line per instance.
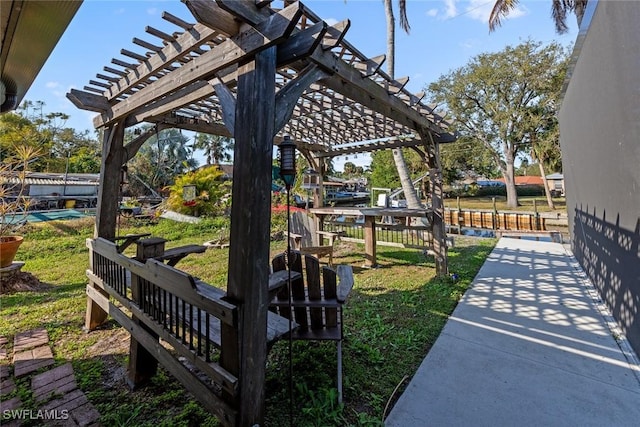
(56, 381)
(74, 403)
(30, 339)
(5, 371)
(9, 405)
(3, 348)
(7, 386)
(30, 361)
(56, 390)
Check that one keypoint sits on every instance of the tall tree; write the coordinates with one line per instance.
(216, 148)
(410, 193)
(559, 11)
(500, 98)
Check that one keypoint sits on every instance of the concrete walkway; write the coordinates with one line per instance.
(528, 345)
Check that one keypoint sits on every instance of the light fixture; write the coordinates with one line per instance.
(287, 149)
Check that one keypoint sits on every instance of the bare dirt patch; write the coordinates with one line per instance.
(22, 282)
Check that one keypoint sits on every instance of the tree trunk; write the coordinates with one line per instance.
(410, 194)
(409, 190)
(510, 182)
(546, 186)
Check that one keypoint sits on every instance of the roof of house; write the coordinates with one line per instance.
(555, 176)
(526, 180)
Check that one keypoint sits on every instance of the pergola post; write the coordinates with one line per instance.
(107, 212)
(110, 177)
(437, 222)
(244, 351)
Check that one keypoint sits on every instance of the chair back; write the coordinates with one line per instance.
(305, 226)
(314, 298)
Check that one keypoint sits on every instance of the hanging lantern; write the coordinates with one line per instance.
(287, 149)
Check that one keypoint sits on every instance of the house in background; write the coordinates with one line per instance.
(600, 141)
(555, 181)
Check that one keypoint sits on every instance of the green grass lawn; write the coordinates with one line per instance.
(392, 319)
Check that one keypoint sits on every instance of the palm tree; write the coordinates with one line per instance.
(216, 148)
(559, 11)
(410, 193)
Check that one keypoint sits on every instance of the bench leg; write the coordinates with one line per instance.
(142, 365)
(95, 315)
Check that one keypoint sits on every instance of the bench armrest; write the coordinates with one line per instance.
(345, 282)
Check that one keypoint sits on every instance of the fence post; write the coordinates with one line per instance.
(494, 217)
(142, 364)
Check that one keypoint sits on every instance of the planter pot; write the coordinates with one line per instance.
(8, 248)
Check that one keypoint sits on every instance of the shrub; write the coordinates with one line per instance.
(212, 193)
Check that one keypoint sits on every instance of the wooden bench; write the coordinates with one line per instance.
(155, 301)
(317, 302)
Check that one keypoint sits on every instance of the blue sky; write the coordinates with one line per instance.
(445, 35)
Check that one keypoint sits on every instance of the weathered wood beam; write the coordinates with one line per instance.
(134, 55)
(160, 34)
(114, 71)
(232, 51)
(227, 102)
(297, 46)
(301, 44)
(110, 177)
(245, 10)
(146, 45)
(88, 101)
(177, 21)
(335, 34)
(371, 66)
(132, 148)
(349, 82)
(287, 97)
(208, 13)
(185, 96)
(244, 351)
(397, 85)
(175, 49)
(432, 151)
(199, 125)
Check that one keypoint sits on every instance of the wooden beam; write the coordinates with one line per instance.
(335, 34)
(232, 51)
(301, 44)
(371, 66)
(110, 177)
(287, 97)
(245, 10)
(88, 101)
(208, 13)
(132, 148)
(244, 352)
(349, 82)
(432, 151)
(227, 102)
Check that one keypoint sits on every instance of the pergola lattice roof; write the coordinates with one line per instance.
(344, 104)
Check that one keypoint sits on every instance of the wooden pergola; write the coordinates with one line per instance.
(251, 71)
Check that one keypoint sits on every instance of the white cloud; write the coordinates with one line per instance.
(481, 9)
(451, 9)
(432, 12)
(51, 85)
(152, 11)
